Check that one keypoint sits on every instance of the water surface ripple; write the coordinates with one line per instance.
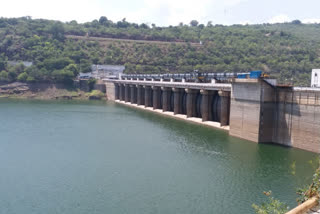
(95, 157)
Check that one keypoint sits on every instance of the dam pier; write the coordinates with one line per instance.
(253, 109)
(193, 100)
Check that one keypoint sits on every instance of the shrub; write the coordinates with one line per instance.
(95, 95)
(31, 79)
(311, 190)
(4, 76)
(273, 206)
(23, 77)
(91, 83)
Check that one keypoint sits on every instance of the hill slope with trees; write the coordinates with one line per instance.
(59, 51)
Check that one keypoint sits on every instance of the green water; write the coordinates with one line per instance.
(96, 157)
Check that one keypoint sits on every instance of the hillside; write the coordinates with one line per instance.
(59, 51)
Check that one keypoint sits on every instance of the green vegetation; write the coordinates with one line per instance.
(95, 94)
(273, 206)
(311, 190)
(91, 83)
(288, 51)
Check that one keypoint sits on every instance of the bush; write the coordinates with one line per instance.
(30, 79)
(12, 76)
(311, 190)
(95, 95)
(91, 83)
(273, 206)
(63, 75)
(23, 77)
(4, 76)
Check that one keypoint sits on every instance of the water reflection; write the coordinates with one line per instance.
(246, 168)
(84, 157)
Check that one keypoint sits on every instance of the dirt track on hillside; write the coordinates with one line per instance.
(103, 39)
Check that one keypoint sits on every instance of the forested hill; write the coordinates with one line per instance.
(59, 51)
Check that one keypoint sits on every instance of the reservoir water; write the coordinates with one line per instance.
(96, 157)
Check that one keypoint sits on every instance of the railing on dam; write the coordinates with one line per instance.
(308, 89)
(200, 86)
(194, 76)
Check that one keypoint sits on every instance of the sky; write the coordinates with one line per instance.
(167, 12)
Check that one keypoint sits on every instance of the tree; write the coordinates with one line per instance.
(56, 63)
(23, 77)
(289, 50)
(19, 68)
(194, 23)
(95, 23)
(73, 68)
(12, 75)
(4, 76)
(31, 79)
(3, 62)
(103, 20)
(57, 30)
(91, 83)
(73, 22)
(85, 66)
(201, 26)
(123, 23)
(143, 25)
(63, 75)
(296, 22)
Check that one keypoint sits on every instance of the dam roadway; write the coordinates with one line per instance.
(251, 109)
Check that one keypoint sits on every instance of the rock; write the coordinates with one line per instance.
(13, 85)
(67, 97)
(23, 88)
(76, 95)
(64, 97)
(94, 98)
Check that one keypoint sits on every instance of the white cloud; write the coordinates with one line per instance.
(172, 12)
(160, 12)
(232, 3)
(58, 10)
(169, 12)
(311, 21)
(279, 19)
(284, 18)
(245, 23)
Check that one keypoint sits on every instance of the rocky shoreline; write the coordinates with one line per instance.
(46, 91)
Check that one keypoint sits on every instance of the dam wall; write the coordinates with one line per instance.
(110, 91)
(204, 102)
(264, 113)
(250, 109)
(297, 121)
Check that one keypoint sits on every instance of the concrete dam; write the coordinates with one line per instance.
(251, 109)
